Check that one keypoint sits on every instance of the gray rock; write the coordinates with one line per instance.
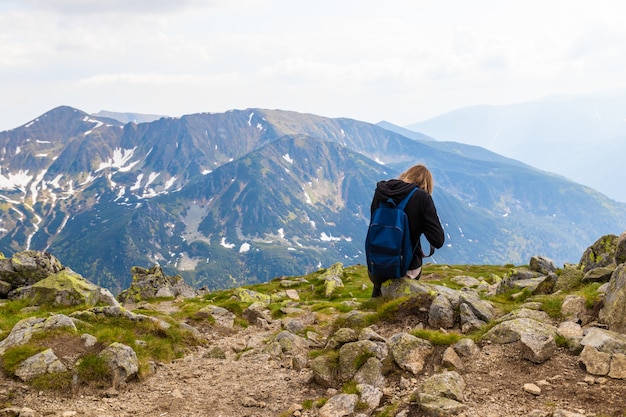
(601, 274)
(605, 340)
(370, 395)
(339, 405)
(573, 307)
(542, 265)
(469, 321)
(368, 333)
(465, 281)
(371, 373)
(28, 267)
(537, 348)
(511, 331)
(64, 288)
(342, 336)
(24, 329)
(600, 253)
(442, 394)
(441, 313)
(45, 362)
(151, 283)
(620, 250)
(466, 348)
(122, 361)
(351, 353)
(409, 352)
(595, 362)
(613, 312)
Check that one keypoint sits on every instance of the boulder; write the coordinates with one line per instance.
(601, 274)
(620, 250)
(42, 363)
(442, 395)
(410, 352)
(62, 289)
(339, 405)
(122, 361)
(542, 265)
(600, 253)
(24, 329)
(511, 330)
(570, 278)
(152, 283)
(613, 311)
(351, 354)
(332, 278)
(28, 267)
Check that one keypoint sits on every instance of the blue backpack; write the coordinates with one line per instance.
(388, 247)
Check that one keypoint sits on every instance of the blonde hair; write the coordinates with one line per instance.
(420, 175)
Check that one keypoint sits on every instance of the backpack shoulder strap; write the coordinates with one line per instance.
(406, 199)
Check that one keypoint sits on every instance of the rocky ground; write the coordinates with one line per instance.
(251, 384)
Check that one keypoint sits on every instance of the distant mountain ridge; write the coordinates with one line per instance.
(247, 195)
(581, 137)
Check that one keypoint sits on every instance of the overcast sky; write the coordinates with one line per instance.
(402, 61)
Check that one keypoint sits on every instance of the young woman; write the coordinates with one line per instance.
(421, 213)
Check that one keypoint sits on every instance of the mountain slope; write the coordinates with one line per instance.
(248, 195)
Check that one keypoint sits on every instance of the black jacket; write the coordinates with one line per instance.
(420, 209)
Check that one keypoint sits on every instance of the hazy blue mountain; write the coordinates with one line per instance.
(128, 117)
(580, 137)
(247, 195)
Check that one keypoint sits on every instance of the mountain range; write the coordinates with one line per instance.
(227, 199)
(581, 137)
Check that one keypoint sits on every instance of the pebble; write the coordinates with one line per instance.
(532, 389)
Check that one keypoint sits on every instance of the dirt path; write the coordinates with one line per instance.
(249, 383)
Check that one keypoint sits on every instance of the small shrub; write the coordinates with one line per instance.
(58, 381)
(93, 368)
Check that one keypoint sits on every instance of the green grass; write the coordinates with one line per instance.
(438, 338)
(15, 355)
(93, 368)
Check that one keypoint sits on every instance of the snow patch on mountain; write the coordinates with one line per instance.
(12, 181)
(119, 161)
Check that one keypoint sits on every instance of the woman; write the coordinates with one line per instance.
(420, 211)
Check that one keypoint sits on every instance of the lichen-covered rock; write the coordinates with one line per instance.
(600, 253)
(24, 329)
(351, 356)
(249, 296)
(601, 274)
(28, 267)
(122, 361)
(371, 373)
(42, 363)
(64, 288)
(511, 330)
(620, 250)
(339, 405)
(332, 278)
(613, 312)
(152, 283)
(324, 369)
(542, 265)
(442, 394)
(410, 352)
(570, 278)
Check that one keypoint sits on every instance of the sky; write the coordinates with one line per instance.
(401, 61)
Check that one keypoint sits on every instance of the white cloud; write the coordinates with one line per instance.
(401, 61)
